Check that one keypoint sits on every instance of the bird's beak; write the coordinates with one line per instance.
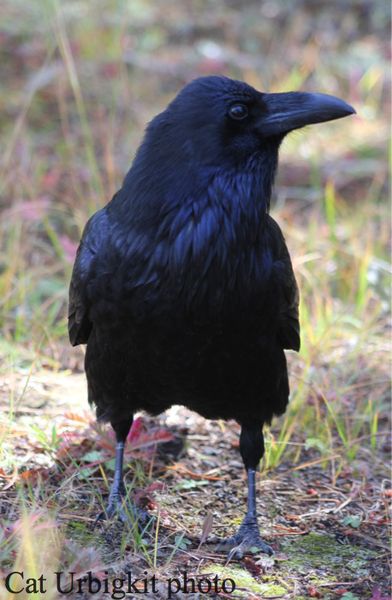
(292, 110)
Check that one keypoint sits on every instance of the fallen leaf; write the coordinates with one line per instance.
(136, 429)
(182, 470)
(32, 476)
(251, 566)
(207, 528)
(313, 592)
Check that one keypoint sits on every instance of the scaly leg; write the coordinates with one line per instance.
(117, 493)
(248, 539)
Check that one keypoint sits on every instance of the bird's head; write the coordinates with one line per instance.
(218, 130)
(215, 119)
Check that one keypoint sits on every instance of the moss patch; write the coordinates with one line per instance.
(318, 557)
(323, 559)
(266, 587)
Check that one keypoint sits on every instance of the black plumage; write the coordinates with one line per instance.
(183, 288)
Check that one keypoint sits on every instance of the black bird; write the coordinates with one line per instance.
(183, 288)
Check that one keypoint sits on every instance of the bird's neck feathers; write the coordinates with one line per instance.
(189, 226)
(243, 192)
(169, 194)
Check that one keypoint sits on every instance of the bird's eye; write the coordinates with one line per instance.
(238, 111)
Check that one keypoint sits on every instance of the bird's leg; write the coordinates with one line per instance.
(247, 538)
(248, 534)
(251, 515)
(116, 505)
(117, 490)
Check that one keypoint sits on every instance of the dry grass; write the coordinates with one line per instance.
(79, 82)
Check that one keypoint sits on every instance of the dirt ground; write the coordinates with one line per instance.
(327, 525)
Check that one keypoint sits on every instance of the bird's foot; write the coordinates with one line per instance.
(126, 512)
(247, 540)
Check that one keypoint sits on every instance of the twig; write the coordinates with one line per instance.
(354, 493)
(336, 583)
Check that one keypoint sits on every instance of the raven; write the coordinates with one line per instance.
(183, 288)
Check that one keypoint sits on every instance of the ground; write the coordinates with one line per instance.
(327, 525)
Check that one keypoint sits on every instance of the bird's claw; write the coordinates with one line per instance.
(247, 540)
(126, 512)
(237, 547)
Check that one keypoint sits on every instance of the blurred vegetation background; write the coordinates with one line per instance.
(78, 82)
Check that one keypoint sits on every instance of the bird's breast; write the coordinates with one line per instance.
(210, 254)
(206, 270)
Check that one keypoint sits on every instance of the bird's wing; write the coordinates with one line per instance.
(94, 236)
(289, 328)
